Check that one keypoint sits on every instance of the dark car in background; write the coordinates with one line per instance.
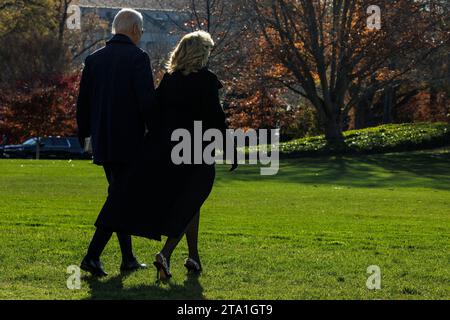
(50, 148)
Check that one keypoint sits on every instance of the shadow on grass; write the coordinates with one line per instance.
(419, 170)
(112, 289)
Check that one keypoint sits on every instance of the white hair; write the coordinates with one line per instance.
(125, 21)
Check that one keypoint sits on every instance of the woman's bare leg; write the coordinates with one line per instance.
(170, 247)
(192, 238)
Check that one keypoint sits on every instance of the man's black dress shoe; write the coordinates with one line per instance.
(132, 266)
(94, 267)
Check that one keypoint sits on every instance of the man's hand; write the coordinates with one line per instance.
(235, 164)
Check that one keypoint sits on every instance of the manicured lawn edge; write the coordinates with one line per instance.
(376, 140)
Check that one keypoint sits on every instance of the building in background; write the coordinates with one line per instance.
(160, 34)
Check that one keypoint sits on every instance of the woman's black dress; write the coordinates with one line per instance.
(159, 198)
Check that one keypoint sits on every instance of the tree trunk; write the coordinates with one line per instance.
(389, 97)
(333, 131)
(63, 7)
(433, 114)
(361, 114)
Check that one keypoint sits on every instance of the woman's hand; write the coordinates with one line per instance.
(235, 164)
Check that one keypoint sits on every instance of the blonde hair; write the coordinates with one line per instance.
(191, 53)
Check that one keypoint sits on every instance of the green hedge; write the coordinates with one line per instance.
(383, 139)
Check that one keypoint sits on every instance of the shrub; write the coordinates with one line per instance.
(383, 139)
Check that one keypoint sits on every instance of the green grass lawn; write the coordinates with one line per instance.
(309, 233)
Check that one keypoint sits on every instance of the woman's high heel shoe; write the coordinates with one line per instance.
(193, 266)
(162, 268)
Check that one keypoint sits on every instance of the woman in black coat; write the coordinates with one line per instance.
(162, 198)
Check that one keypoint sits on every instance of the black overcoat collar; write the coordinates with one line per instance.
(120, 38)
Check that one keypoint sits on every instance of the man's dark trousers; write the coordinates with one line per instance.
(114, 173)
